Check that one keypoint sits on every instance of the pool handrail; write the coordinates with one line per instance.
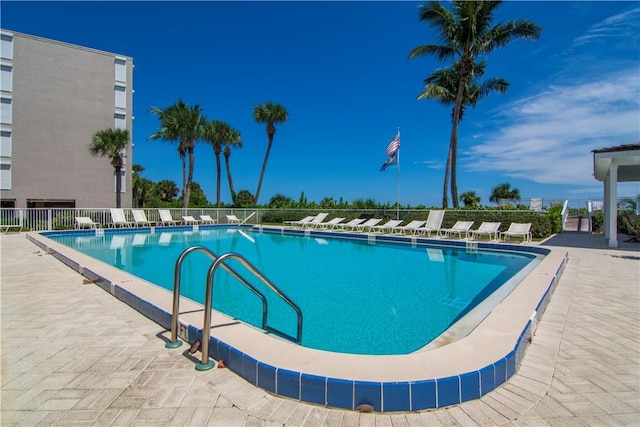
(220, 261)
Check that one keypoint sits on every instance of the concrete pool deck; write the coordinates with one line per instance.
(104, 363)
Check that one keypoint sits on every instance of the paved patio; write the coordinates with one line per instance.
(74, 355)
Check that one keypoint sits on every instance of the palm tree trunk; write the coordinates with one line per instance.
(445, 189)
(227, 154)
(184, 176)
(264, 166)
(217, 154)
(118, 186)
(454, 131)
(189, 177)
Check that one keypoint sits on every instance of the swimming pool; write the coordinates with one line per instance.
(401, 297)
(488, 354)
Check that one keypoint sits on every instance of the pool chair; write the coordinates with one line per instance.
(387, 226)
(316, 220)
(166, 218)
(300, 222)
(367, 225)
(190, 220)
(232, 219)
(458, 228)
(348, 225)
(409, 228)
(434, 223)
(119, 219)
(518, 230)
(329, 225)
(489, 229)
(140, 218)
(85, 222)
(206, 219)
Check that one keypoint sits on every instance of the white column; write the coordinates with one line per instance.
(605, 207)
(612, 205)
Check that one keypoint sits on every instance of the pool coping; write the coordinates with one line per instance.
(464, 370)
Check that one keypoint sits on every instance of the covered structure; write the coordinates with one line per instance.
(611, 166)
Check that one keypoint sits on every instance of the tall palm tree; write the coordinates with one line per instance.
(218, 133)
(235, 140)
(442, 86)
(182, 123)
(467, 34)
(111, 143)
(271, 114)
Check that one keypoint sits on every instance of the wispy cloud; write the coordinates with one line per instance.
(431, 164)
(548, 138)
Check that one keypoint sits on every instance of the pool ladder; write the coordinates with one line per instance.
(220, 261)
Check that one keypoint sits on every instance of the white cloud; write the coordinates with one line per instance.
(431, 164)
(549, 137)
(621, 26)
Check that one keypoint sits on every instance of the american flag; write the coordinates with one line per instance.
(393, 145)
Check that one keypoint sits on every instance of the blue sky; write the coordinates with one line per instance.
(342, 71)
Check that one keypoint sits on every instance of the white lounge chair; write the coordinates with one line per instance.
(458, 228)
(489, 229)
(329, 225)
(85, 222)
(206, 219)
(166, 218)
(300, 222)
(232, 219)
(434, 223)
(190, 220)
(368, 224)
(409, 228)
(518, 230)
(316, 220)
(387, 226)
(119, 219)
(140, 218)
(351, 224)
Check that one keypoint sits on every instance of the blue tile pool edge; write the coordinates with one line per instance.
(338, 392)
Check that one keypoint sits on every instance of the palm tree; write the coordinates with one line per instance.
(111, 143)
(182, 123)
(466, 34)
(470, 198)
(442, 86)
(234, 141)
(504, 191)
(217, 133)
(270, 114)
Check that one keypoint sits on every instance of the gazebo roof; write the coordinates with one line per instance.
(627, 157)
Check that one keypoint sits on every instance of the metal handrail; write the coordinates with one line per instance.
(204, 363)
(175, 342)
(220, 261)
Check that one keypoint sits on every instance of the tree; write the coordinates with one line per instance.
(166, 190)
(470, 198)
(244, 199)
(218, 133)
(235, 140)
(442, 86)
(280, 201)
(111, 143)
(140, 186)
(270, 114)
(504, 191)
(466, 34)
(198, 199)
(182, 123)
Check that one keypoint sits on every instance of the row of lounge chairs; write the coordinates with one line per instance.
(433, 224)
(119, 219)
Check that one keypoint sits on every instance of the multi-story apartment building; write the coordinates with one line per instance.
(54, 97)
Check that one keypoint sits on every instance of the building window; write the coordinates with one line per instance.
(5, 144)
(120, 121)
(5, 176)
(6, 78)
(5, 111)
(6, 46)
(121, 97)
(121, 70)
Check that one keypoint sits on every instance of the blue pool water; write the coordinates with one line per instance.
(356, 297)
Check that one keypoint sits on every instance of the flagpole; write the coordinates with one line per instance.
(398, 181)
